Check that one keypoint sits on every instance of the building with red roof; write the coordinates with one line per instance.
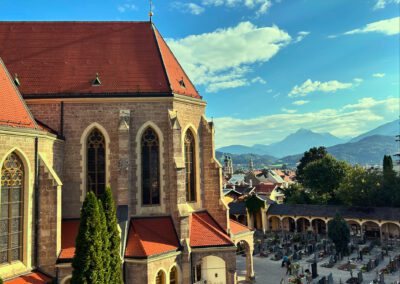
(84, 105)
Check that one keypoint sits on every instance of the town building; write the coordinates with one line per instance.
(84, 105)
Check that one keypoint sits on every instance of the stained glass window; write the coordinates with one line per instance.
(11, 204)
(96, 162)
(150, 168)
(190, 163)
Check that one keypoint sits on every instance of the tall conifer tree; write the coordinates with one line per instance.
(106, 244)
(88, 263)
(115, 275)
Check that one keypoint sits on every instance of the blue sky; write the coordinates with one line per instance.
(268, 67)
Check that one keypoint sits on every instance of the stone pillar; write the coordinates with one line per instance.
(263, 220)
(249, 264)
(326, 226)
(295, 225)
(281, 224)
(380, 233)
(124, 143)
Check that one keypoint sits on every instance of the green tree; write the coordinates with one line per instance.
(309, 156)
(360, 187)
(115, 275)
(1, 280)
(323, 177)
(87, 263)
(105, 244)
(296, 194)
(339, 233)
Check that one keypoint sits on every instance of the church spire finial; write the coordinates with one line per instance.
(151, 10)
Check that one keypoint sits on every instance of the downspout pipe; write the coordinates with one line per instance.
(37, 209)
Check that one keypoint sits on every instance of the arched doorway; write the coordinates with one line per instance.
(371, 230)
(289, 224)
(244, 268)
(355, 228)
(319, 226)
(303, 225)
(390, 231)
(274, 224)
(210, 269)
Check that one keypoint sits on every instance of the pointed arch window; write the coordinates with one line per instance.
(160, 278)
(173, 276)
(190, 164)
(96, 162)
(150, 167)
(11, 209)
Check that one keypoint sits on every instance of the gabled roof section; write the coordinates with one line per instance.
(69, 232)
(13, 111)
(150, 236)
(63, 59)
(237, 228)
(206, 232)
(32, 278)
(179, 81)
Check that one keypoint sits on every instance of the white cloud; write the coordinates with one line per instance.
(380, 4)
(300, 102)
(126, 7)
(358, 80)
(258, 80)
(286, 110)
(387, 27)
(350, 120)
(301, 35)
(378, 75)
(222, 59)
(191, 8)
(310, 87)
(260, 6)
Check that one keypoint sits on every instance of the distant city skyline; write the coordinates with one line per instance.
(268, 67)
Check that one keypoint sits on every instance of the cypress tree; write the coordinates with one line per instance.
(115, 275)
(105, 242)
(88, 263)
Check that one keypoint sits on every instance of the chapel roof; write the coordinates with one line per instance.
(31, 278)
(206, 232)
(149, 236)
(238, 228)
(62, 59)
(13, 111)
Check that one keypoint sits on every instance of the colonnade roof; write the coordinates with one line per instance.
(351, 212)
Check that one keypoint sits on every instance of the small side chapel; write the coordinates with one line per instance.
(84, 105)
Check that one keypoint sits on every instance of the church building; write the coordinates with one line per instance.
(84, 105)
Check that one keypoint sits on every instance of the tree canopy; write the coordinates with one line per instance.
(339, 233)
(309, 156)
(325, 180)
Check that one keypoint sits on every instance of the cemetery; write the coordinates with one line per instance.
(302, 258)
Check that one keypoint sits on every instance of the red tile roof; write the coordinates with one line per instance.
(237, 228)
(175, 72)
(265, 187)
(32, 278)
(62, 58)
(206, 232)
(13, 111)
(69, 231)
(151, 236)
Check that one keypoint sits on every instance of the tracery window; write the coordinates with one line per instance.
(11, 209)
(190, 164)
(150, 167)
(96, 162)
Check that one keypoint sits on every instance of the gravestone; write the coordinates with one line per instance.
(322, 280)
(381, 278)
(330, 278)
(314, 271)
(360, 276)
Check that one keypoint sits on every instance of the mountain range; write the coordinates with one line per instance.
(367, 148)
